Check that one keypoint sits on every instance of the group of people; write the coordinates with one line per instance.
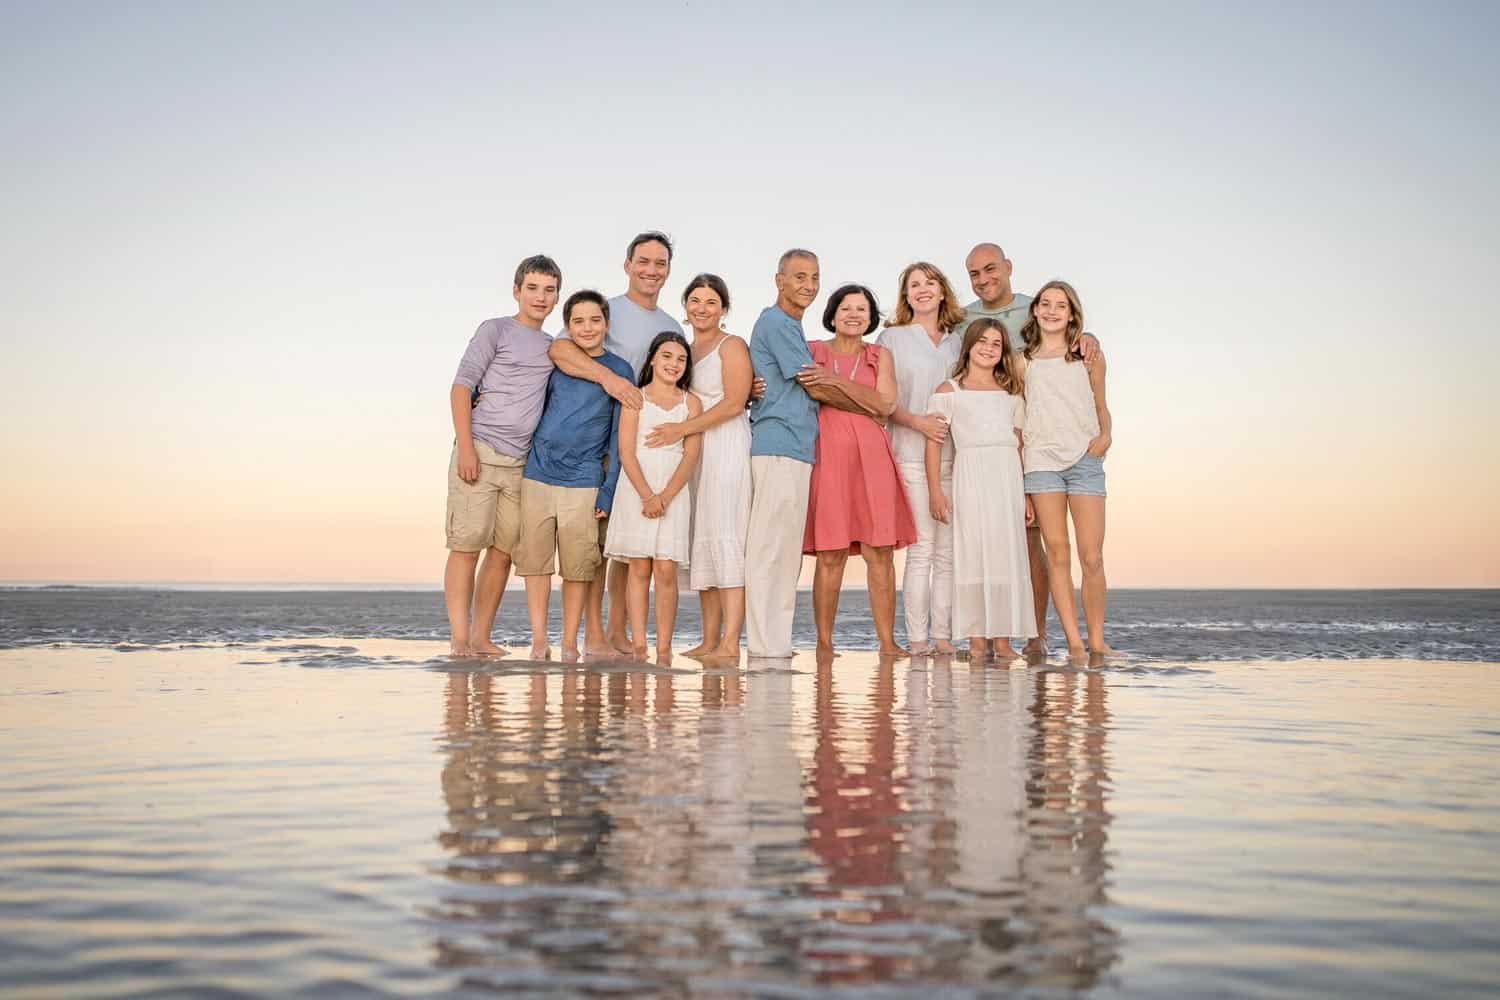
(622, 455)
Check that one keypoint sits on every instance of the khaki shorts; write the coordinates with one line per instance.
(487, 511)
(558, 520)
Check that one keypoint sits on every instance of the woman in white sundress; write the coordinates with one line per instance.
(651, 521)
(989, 509)
(721, 485)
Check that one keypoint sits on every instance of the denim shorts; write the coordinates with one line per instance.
(1084, 478)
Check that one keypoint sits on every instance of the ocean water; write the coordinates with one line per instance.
(260, 794)
(1148, 625)
(222, 822)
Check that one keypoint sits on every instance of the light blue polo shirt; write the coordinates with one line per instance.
(785, 420)
(1013, 317)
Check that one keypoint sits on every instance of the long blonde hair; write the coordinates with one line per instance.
(1031, 333)
(1005, 368)
(950, 313)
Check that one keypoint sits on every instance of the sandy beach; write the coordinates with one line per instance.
(364, 817)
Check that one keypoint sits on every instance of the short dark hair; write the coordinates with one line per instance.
(843, 292)
(538, 263)
(685, 381)
(713, 283)
(650, 236)
(585, 295)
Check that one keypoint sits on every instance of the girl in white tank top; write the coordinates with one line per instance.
(1067, 434)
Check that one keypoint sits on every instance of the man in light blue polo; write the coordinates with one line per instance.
(634, 321)
(783, 435)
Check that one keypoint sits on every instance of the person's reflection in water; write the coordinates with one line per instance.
(854, 817)
(1066, 864)
(524, 807)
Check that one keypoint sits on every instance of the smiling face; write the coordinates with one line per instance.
(587, 326)
(647, 270)
(669, 362)
(924, 293)
(989, 274)
(537, 297)
(797, 284)
(987, 350)
(852, 317)
(1052, 311)
(705, 310)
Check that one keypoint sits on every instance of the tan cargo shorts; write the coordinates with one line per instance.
(487, 511)
(558, 520)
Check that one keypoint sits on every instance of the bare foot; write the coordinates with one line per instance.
(1004, 651)
(702, 649)
(894, 650)
(621, 644)
(459, 649)
(824, 650)
(663, 656)
(727, 650)
(603, 651)
(920, 648)
(979, 651)
(638, 653)
(1034, 647)
(541, 652)
(485, 647)
(1078, 656)
(570, 654)
(943, 646)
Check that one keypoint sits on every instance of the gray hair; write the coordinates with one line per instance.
(794, 252)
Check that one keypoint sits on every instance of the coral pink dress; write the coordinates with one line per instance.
(856, 494)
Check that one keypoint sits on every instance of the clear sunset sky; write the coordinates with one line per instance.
(245, 245)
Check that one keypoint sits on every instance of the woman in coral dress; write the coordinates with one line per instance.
(856, 503)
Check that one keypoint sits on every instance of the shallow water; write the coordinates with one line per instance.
(1151, 625)
(224, 821)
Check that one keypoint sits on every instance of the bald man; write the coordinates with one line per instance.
(989, 275)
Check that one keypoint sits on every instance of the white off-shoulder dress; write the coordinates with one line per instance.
(721, 486)
(632, 535)
(991, 575)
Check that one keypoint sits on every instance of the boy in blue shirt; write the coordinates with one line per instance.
(565, 491)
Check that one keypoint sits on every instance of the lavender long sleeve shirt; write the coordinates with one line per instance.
(507, 362)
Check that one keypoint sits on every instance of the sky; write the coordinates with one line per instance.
(245, 246)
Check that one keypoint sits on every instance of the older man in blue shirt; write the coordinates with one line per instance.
(783, 433)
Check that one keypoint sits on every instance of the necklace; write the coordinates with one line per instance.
(834, 359)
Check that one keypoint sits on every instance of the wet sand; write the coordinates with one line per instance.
(364, 817)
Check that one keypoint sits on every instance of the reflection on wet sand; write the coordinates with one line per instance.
(886, 822)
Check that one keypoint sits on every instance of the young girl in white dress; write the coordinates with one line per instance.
(989, 509)
(652, 517)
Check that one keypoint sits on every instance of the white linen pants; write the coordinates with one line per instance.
(773, 551)
(927, 584)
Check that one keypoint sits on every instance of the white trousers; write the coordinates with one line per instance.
(773, 551)
(927, 584)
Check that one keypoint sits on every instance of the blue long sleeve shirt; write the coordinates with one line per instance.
(579, 427)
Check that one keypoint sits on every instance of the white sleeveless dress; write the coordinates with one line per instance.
(991, 575)
(721, 487)
(632, 535)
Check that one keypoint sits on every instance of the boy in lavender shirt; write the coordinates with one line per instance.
(507, 364)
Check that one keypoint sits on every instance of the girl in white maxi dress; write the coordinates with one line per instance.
(991, 574)
(650, 522)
